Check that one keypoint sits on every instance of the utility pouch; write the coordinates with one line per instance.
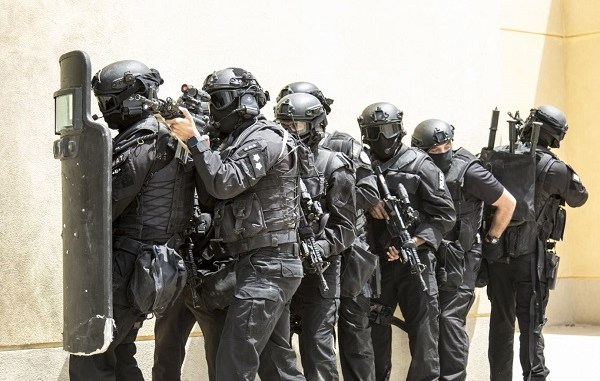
(159, 276)
(560, 221)
(359, 265)
(451, 262)
(242, 218)
(218, 284)
(552, 262)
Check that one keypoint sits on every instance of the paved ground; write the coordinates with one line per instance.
(571, 353)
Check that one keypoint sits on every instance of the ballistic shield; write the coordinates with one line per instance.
(85, 151)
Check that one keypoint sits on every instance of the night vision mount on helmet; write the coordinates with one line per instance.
(115, 86)
(235, 96)
(303, 115)
(381, 128)
(431, 133)
(381, 118)
(308, 88)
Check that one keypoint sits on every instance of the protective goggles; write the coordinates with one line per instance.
(106, 102)
(388, 130)
(299, 127)
(223, 98)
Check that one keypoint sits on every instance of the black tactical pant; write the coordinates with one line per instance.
(510, 291)
(421, 312)
(173, 329)
(354, 337)
(318, 313)
(118, 362)
(257, 326)
(454, 307)
(454, 342)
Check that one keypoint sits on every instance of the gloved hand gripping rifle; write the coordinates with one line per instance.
(401, 215)
(310, 211)
(194, 100)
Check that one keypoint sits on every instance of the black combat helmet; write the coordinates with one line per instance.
(115, 86)
(431, 133)
(235, 96)
(304, 115)
(381, 128)
(553, 129)
(308, 88)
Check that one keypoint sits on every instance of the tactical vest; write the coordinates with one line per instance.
(346, 144)
(164, 204)
(266, 214)
(403, 168)
(317, 173)
(468, 212)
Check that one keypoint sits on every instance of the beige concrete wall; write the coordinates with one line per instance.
(549, 54)
(451, 60)
(582, 78)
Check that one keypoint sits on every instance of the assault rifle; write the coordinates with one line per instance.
(197, 103)
(401, 215)
(310, 211)
(199, 225)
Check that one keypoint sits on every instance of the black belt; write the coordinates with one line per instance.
(129, 245)
(273, 239)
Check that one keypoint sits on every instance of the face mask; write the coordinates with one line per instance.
(116, 121)
(384, 148)
(442, 160)
(226, 119)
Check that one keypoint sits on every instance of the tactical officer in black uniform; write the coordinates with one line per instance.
(205, 300)
(255, 178)
(524, 270)
(330, 180)
(358, 264)
(459, 256)
(381, 128)
(147, 207)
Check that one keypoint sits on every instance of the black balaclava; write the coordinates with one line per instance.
(227, 119)
(384, 148)
(442, 160)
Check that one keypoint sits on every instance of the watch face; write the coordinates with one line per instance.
(192, 141)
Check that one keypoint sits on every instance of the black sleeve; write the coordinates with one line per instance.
(563, 181)
(367, 194)
(480, 184)
(341, 205)
(437, 215)
(242, 169)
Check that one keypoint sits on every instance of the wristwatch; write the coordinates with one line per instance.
(491, 239)
(192, 142)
